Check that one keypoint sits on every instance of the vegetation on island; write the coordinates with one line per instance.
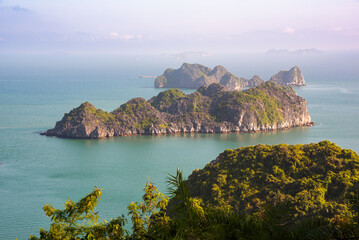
(79, 113)
(196, 75)
(166, 98)
(263, 104)
(290, 192)
(209, 109)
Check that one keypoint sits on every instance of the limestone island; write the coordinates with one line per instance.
(211, 109)
(194, 76)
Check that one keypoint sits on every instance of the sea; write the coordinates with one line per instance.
(36, 90)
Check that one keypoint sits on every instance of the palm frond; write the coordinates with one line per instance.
(314, 228)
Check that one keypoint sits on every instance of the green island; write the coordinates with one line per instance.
(194, 76)
(211, 109)
(264, 192)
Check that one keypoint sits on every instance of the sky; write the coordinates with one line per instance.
(170, 26)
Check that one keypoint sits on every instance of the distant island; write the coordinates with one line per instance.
(306, 51)
(211, 109)
(187, 54)
(146, 76)
(194, 76)
(292, 77)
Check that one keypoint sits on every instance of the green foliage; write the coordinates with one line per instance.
(77, 114)
(105, 116)
(163, 125)
(189, 219)
(263, 192)
(265, 106)
(145, 123)
(194, 70)
(102, 115)
(164, 99)
(197, 104)
(80, 221)
(132, 107)
(149, 217)
(316, 178)
(137, 113)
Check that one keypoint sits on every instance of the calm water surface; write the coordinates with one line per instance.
(35, 92)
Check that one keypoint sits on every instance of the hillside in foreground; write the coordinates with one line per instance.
(291, 192)
(318, 179)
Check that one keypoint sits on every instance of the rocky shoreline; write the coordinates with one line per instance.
(172, 131)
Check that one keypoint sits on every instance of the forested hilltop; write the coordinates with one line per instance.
(288, 192)
(317, 178)
(211, 109)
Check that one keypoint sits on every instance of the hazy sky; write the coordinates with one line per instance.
(161, 26)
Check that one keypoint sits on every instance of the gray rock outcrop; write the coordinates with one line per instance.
(292, 77)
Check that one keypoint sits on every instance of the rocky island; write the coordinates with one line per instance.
(211, 109)
(292, 77)
(196, 75)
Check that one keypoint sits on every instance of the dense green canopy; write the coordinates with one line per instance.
(317, 178)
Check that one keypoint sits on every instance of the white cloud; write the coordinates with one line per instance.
(114, 34)
(127, 37)
(288, 30)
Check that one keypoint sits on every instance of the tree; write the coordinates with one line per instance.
(80, 221)
(149, 217)
(187, 217)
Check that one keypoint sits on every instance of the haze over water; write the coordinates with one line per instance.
(36, 90)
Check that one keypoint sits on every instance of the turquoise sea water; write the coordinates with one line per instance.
(35, 92)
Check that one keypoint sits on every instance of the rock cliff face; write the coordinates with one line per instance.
(211, 109)
(292, 77)
(255, 81)
(196, 75)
